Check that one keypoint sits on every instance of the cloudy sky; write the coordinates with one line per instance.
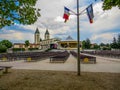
(106, 23)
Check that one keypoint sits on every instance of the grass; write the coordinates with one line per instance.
(58, 80)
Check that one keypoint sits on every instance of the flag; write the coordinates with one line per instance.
(90, 14)
(66, 13)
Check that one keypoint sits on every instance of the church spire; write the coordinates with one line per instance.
(37, 31)
(47, 35)
(47, 32)
(37, 36)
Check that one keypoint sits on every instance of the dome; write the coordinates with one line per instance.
(69, 38)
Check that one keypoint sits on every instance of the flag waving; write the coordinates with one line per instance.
(90, 14)
(66, 13)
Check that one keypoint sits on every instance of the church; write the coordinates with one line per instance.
(54, 43)
(47, 42)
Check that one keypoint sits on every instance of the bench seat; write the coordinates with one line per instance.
(5, 68)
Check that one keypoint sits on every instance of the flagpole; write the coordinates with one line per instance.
(78, 40)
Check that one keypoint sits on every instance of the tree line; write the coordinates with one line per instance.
(116, 42)
(6, 44)
(86, 44)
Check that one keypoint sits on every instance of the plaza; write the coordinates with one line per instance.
(103, 64)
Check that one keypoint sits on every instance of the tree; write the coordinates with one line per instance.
(114, 44)
(102, 44)
(6, 43)
(18, 11)
(83, 44)
(107, 45)
(96, 46)
(108, 4)
(27, 43)
(118, 41)
(88, 43)
(3, 48)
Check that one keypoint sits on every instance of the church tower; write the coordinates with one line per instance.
(47, 35)
(37, 36)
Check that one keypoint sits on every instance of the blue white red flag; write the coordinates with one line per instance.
(90, 14)
(66, 14)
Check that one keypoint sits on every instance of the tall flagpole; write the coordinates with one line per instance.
(78, 35)
(78, 39)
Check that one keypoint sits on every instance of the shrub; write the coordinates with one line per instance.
(106, 48)
(3, 48)
(18, 49)
(48, 49)
(32, 49)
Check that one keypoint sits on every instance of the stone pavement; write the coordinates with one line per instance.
(102, 65)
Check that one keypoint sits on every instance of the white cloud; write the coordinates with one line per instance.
(104, 20)
(17, 36)
(59, 19)
(104, 37)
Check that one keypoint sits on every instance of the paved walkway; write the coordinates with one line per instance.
(102, 65)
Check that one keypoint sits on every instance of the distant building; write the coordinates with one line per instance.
(18, 45)
(37, 36)
(36, 43)
(69, 43)
(49, 42)
(22, 45)
(47, 35)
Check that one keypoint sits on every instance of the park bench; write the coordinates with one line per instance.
(5, 68)
(1, 69)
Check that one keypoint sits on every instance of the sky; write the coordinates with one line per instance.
(105, 26)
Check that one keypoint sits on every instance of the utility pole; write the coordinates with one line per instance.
(78, 40)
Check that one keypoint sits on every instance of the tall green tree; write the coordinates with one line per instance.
(18, 11)
(83, 44)
(102, 44)
(118, 41)
(6, 43)
(27, 43)
(114, 43)
(3, 48)
(108, 4)
(96, 46)
(88, 43)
